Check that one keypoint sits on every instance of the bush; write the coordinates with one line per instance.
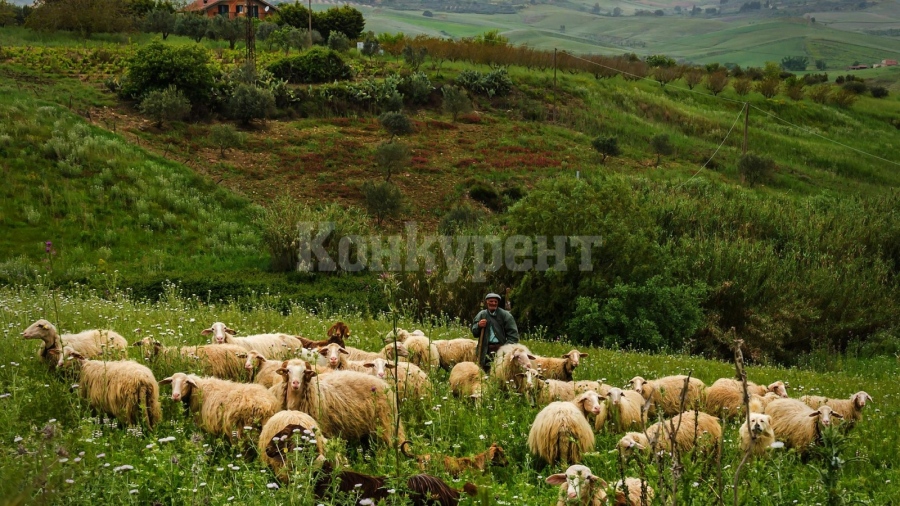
(755, 169)
(793, 88)
(345, 19)
(370, 45)
(878, 91)
(819, 94)
(855, 87)
(487, 195)
(606, 146)
(843, 98)
(742, 86)
(661, 146)
(459, 218)
(195, 26)
(391, 156)
(169, 104)
(318, 65)
(226, 136)
(414, 57)
(396, 123)
(768, 87)
(157, 66)
(383, 200)
(339, 42)
(455, 101)
(161, 21)
(249, 102)
(495, 83)
(416, 87)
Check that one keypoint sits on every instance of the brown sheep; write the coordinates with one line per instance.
(559, 368)
(850, 409)
(493, 456)
(666, 393)
(622, 410)
(690, 428)
(465, 380)
(725, 397)
(561, 432)
(454, 351)
(89, 343)
(798, 425)
(282, 434)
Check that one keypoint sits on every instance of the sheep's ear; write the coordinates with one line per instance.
(601, 482)
(369, 364)
(190, 381)
(260, 359)
(138, 343)
(165, 381)
(282, 371)
(206, 332)
(520, 374)
(556, 479)
(814, 414)
(76, 355)
(582, 355)
(309, 373)
(531, 357)
(323, 351)
(230, 331)
(241, 355)
(836, 414)
(388, 365)
(345, 352)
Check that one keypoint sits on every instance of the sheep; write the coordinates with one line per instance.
(424, 489)
(455, 351)
(387, 352)
(89, 343)
(543, 391)
(725, 397)
(798, 425)
(282, 434)
(691, 428)
(337, 333)
(422, 351)
(561, 432)
(850, 409)
(124, 389)
(623, 409)
(224, 361)
(761, 427)
(465, 379)
(509, 360)
(270, 345)
(558, 368)
(262, 371)
(493, 456)
(411, 381)
(666, 393)
(578, 485)
(346, 404)
(335, 356)
(758, 403)
(221, 407)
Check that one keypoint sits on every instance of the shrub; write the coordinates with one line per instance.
(339, 42)
(455, 101)
(487, 195)
(249, 102)
(768, 87)
(396, 123)
(192, 25)
(161, 21)
(157, 66)
(819, 94)
(226, 136)
(413, 56)
(169, 104)
(264, 30)
(370, 45)
(661, 146)
(717, 81)
(459, 218)
(793, 88)
(855, 87)
(318, 65)
(383, 200)
(391, 156)
(495, 83)
(842, 98)
(878, 91)
(742, 86)
(230, 29)
(606, 146)
(416, 87)
(755, 169)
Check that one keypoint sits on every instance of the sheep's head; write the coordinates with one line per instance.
(574, 357)
(638, 383)
(182, 385)
(522, 359)
(579, 482)
(778, 388)
(496, 456)
(824, 413)
(41, 329)
(417, 332)
(632, 442)
(296, 373)
(388, 350)
(528, 380)
(589, 402)
(254, 359)
(68, 355)
(151, 347)
(379, 367)
(760, 423)
(859, 399)
(333, 353)
(401, 335)
(339, 330)
(615, 395)
(219, 331)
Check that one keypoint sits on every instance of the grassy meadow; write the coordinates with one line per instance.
(56, 451)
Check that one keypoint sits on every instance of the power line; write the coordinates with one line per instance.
(714, 152)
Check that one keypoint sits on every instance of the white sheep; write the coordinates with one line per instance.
(540, 391)
(798, 425)
(89, 343)
(262, 371)
(558, 368)
(412, 382)
(124, 389)
(579, 485)
(666, 393)
(335, 356)
(633, 492)
(725, 397)
(510, 360)
(271, 345)
(623, 410)
(465, 380)
(422, 351)
(346, 404)
(850, 409)
(223, 407)
(758, 403)
(691, 428)
(224, 361)
(386, 353)
(561, 432)
(285, 432)
(760, 429)
(454, 351)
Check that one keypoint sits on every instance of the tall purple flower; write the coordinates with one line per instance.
(47, 246)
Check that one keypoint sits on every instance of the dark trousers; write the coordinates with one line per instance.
(489, 359)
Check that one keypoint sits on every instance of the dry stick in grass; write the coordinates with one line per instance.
(742, 375)
(677, 467)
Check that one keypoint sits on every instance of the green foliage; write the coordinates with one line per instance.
(288, 37)
(793, 88)
(370, 45)
(226, 136)
(416, 88)
(742, 86)
(391, 157)
(797, 63)
(249, 102)
(755, 169)
(455, 101)
(169, 104)
(659, 60)
(85, 17)
(160, 21)
(383, 201)
(650, 316)
(378, 94)
(768, 87)
(339, 42)
(855, 87)
(157, 66)
(459, 218)
(414, 56)
(879, 92)
(195, 26)
(661, 146)
(318, 65)
(486, 195)
(491, 38)
(495, 83)
(842, 98)
(344, 19)
(396, 123)
(819, 93)
(264, 31)
(606, 146)
(228, 29)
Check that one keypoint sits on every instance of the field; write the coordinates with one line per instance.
(58, 451)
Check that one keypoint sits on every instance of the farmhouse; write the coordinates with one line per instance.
(857, 67)
(889, 63)
(232, 8)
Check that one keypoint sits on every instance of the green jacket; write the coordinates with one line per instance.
(504, 326)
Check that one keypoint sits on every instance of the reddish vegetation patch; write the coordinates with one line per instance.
(518, 162)
(442, 125)
(470, 118)
(465, 163)
(513, 149)
(339, 121)
(419, 161)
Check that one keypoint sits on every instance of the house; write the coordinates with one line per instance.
(857, 67)
(232, 8)
(889, 63)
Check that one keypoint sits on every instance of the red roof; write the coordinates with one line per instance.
(202, 5)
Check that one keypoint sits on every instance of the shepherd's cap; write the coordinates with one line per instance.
(492, 295)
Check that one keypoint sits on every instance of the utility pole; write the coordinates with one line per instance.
(251, 38)
(309, 32)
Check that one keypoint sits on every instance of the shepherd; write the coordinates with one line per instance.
(493, 327)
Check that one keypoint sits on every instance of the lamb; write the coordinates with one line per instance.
(623, 409)
(465, 379)
(412, 382)
(387, 353)
(270, 345)
(124, 389)
(494, 456)
(725, 397)
(89, 343)
(509, 360)
(224, 361)
(346, 404)
(798, 425)
(424, 489)
(282, 434)
(578, 485)
(455, 351)
(761, 427)
(666, 393)
(559, 368)
(850, 409)
(221, 407)
(561, 432)
(691, 428)
(422, 351)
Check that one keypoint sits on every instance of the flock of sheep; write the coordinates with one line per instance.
(288, 386)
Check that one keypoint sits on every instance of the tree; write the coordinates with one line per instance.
(797, 63)
(8, 13)
(693, 76)
(390, 157)
(755, 169)
(717, 81)
(768, 87)
(414, 57)
(819, 93)
(616, 12)
(370, 45)
(383, 200)
(396, 123)
(249, 102)
(160, 21)
(226, 136)
(156, 66)
(661, 146)
(264, 32)
(344, 19)
(169, 104)
(337, 41)
(84, 17)
(491, 38)
(607, 146)
(793, 88)
(742, 86)
(229, 29)
(195, 26)
(456, 101)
